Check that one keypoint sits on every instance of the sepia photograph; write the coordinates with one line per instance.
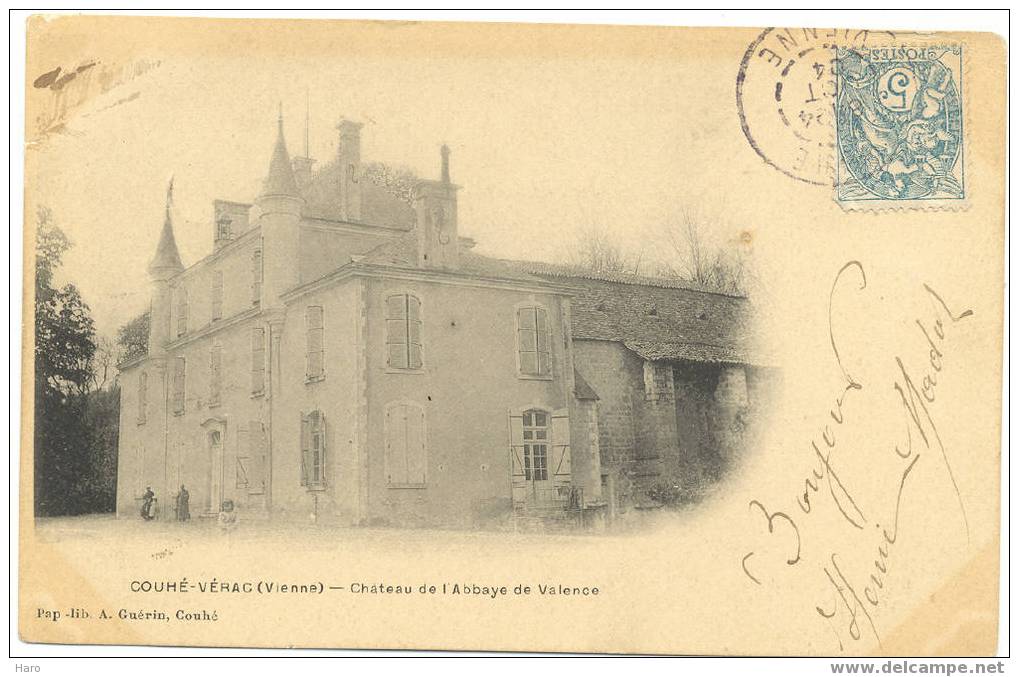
(513, 337)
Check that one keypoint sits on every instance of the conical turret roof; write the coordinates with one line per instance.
(167, 256)
(280, 180)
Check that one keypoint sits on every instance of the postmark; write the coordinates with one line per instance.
(899, 125)
(785, 96)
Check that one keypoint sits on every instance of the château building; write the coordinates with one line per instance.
(344, 355)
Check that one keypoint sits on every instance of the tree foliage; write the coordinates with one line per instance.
(133, 338)
(73, 447)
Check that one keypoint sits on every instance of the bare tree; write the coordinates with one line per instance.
(596, 250)
(713, 266)
(104, 363)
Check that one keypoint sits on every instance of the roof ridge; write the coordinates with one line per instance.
(581, 272)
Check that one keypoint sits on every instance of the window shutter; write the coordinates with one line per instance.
(413, 332)
(320, 466)
(559, 463)
(396, 331)
(215, 372)
(396, 430)
(542, 333)
(182, 311)
(305, 448)
(256, 451)
(417, 454)
(516, 441)
(526, 340)
(243, 458)
(178, 386)
(256, 277)
(258, 360)
(313, 323)
(217, 295)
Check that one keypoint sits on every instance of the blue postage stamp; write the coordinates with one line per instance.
(899, 125)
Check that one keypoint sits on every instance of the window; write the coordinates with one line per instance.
(182, 312)
(217, 295)
(535, 445)
(313, 450)
(251, 458)
(179, 369)
(143, 396)
(533, 341)
(215, 374)
(406, 459)
(403, 331)
(313, 323)
(256, 277)
(257, 360)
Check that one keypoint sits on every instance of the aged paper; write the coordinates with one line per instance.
(512, 337)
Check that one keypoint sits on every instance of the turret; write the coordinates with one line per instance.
(435, 204)
(164, 265)
(280, 205)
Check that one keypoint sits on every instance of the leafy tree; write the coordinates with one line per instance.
(133, 338)
(65, 345)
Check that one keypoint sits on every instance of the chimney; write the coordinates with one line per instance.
(349, 158)
(229, 221)
(435, 204)
(302, 171)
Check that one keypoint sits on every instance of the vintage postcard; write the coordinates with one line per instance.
(511, 337)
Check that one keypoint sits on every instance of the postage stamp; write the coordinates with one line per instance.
(899, 126)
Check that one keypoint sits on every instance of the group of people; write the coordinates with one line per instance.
(227, 518)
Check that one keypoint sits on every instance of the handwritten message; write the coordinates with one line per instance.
(874, 534)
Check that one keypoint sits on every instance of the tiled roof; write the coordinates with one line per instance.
(659, 319)
(579, 272)
(402, 253)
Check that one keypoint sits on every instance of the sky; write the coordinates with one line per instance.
(548, 138)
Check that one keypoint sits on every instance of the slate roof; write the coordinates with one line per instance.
(280, 180)
(167, 255)
(657, 318)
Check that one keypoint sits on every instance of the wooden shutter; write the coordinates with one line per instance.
(417, 453)
(215, 373)
(542, 341)
(305, 448)
(318, 470)
(413, 332)
(257, 453)
(182, 311)
(241, 479)
(396, 331)
(396, 444)
(313, 320)
(258, 360)
(217, 295)
(526, 341)
(178, 385)
(256, 277)
(559, 458)
(516, 449)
